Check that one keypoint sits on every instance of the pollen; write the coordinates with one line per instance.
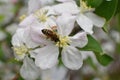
(20, 50)
(41, 15)
(22, 17)
(84, 6)
(63, 41)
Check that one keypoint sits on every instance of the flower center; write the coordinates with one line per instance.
(63, 41)
(20, 50)
(22, 17)
(41, 15)
(84, 7)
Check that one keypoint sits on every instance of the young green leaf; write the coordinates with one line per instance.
(107, 9)
(94, 3)
(92, 45)
(103, 59)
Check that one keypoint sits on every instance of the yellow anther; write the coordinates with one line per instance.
(84, 7)
(63, 41)
(41, 15)
(21, 18)
(20, 50)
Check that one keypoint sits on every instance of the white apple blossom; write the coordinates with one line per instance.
(29, 71)
(22, 43)
(47, 56)
(86, 19)
(38, 20)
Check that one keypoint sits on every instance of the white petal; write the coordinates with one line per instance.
(33, 5)
(46, 2)
(17, 38)
(72, 58)
(47, 57)
(65, 24)
(64, 0)
(28, 70)
(97, 20)
(85, 23)
(57, 72)
(28, 40)
(28, 21)
(67, 7)
(37, 35)
(79, 40)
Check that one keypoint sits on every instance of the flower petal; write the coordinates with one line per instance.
(79, 40)
(28, 40)
(72, 58)
(37, 35)
(28, 70)
(64, 0)
(33, 5)
(47, 56)
(17, 38)
(97, 20)
(85, 23)
(65, 24)
(67, 7)
(28, 21)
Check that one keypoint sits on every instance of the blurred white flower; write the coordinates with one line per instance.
(47, 56)
(34, 5)
(12, 28)
(22, 42)
(84, 15)
(64, 0)
(55, 73)
(115, 35)
(29, 71)
(2, 35)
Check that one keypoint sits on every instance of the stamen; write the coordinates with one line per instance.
(63, 41)
(20, 50)
(84, 7)
(41, 15)
(21, 18)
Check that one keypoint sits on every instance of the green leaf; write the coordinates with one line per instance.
(107, 9)
(94, 3)
(2, 57)
(105, 27)
(103, 59)
(92, 45)
(2, 17)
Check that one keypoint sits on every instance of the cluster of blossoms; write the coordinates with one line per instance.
(44, 37)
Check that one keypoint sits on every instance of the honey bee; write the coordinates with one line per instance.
(50, 34)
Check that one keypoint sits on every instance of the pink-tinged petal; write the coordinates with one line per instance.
(85, 23)
(33, 5)
(97, 20)
(28, 40)
(65, 24)
(28, 21)
(29, 71)
(67, 7)
(79, 40)
(38, 37)
(47, 57)
(72, 58)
